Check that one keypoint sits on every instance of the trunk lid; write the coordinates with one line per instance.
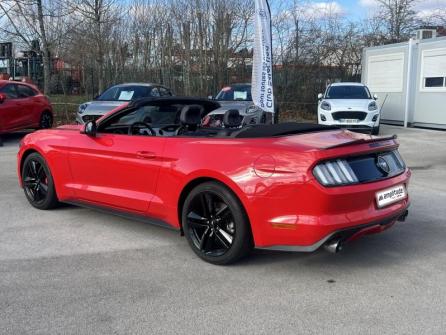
(324, 140)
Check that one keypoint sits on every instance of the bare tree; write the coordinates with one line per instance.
(29, 21)
(398, 16)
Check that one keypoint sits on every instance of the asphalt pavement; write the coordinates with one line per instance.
(77, 271)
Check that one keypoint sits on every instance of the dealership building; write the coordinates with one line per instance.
(410, 80)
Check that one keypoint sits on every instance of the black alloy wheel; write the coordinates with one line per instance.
(38, 183)
(46, 121)
(215, 224)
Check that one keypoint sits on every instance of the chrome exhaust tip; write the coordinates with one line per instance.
(334, 246)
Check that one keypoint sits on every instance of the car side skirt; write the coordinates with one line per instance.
(123, 214)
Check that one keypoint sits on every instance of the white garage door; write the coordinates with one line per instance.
(385, 73)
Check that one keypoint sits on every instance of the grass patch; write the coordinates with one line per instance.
(65, 107)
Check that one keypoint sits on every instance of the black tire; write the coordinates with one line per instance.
(38, 183)
(216, 225)
(375, 131)
(46, 120)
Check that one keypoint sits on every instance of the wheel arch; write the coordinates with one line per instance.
(191, 184)
(25, 154)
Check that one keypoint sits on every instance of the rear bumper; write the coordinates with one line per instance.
(306, 216)
(345, 235)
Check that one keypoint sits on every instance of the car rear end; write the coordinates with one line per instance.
(353, 186)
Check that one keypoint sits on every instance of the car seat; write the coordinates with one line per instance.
(190, 119)
(231, 121)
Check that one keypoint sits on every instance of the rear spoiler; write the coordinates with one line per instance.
(373, 141)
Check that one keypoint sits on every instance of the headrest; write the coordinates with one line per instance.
(232, 118)
(191, 115)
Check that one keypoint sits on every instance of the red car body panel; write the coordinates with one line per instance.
(22, 112)
(272, 177)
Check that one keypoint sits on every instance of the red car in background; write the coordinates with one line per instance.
(23, 106)
(291, 187)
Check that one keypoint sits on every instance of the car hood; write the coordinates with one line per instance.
(241, 106)
(349, 104)
(102, 107)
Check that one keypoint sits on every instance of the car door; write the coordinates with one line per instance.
(11, 109)
(31, 107)
(117, 170)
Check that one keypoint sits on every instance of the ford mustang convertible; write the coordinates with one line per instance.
(290, 187)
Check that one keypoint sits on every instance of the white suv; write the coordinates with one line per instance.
(349, 105)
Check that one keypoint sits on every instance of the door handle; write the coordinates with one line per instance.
(145, 155)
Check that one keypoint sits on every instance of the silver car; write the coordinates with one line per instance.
(117, 95)
(238, 97)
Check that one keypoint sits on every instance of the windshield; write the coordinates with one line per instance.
(348, 92)
(235, 93)
(125, 93)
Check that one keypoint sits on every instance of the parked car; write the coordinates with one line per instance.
(351, 106)
(23, 106)
(117, 95)
(288, 186)
(237, 97)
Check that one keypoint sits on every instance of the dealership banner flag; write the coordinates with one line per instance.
(262, 70)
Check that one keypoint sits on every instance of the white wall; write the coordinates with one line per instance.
(385, 72)
(385, 75)
(430, 102)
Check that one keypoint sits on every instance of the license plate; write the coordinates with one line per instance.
(349, 120)
(391, 195)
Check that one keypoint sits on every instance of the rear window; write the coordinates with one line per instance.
(348, 92)
(125, 93)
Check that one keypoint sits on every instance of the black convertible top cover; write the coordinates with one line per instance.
(281, 129)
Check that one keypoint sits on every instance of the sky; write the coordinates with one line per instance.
(359, 9)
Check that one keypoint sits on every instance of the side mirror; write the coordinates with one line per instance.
(90, 129)
(375, 96)
(320, 96)
(2, 97)
(210, 97)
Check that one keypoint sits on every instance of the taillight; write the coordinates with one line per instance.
(335, 173)
(359, 169)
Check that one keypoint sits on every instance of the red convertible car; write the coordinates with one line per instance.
(291, 187)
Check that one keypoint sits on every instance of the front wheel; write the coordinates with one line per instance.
(38, 182)
(215, 224)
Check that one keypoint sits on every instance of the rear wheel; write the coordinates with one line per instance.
(46, 120)
(215, 224)
(38, 183)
